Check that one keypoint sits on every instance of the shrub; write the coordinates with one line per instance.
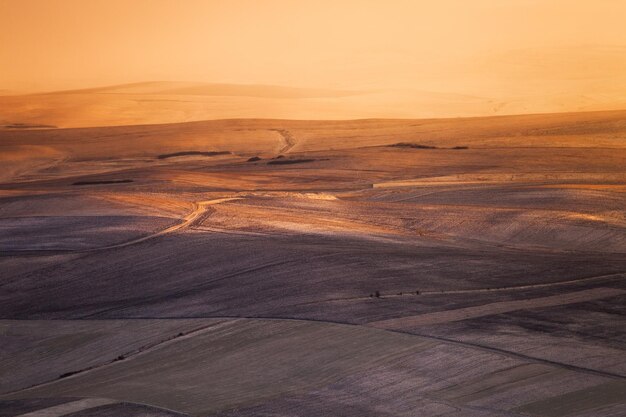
(412, 145)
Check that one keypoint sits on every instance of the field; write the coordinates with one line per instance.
(265, 267)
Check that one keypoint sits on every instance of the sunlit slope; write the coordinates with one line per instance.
(251, 136)
(479, 218)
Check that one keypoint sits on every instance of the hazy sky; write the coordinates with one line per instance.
(54, 44)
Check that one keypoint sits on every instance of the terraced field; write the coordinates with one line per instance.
(310, 268)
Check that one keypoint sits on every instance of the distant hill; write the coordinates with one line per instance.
(211, 89)
(174, 102)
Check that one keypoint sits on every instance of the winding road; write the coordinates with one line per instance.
(199, 208)
(288, 139)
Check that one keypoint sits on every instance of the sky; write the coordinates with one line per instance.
(454, 45)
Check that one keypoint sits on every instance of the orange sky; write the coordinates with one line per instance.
(444, 45)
